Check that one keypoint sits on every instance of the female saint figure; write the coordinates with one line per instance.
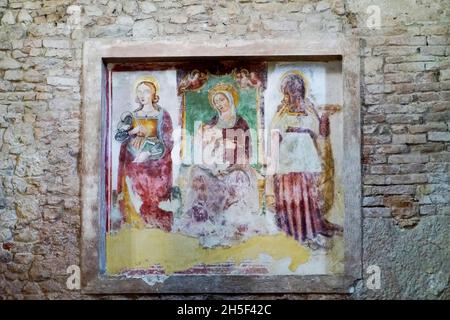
(303, 161)
(145, 164)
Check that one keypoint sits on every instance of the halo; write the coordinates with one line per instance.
(299, 73)
(223, 87)
(147, 78)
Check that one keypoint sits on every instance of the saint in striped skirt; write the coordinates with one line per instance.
(297, 206)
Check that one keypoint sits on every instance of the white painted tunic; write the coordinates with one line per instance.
(297, 151)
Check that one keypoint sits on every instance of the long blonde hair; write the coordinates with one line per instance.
(155, 97)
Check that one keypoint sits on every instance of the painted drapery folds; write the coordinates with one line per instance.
(223, 167)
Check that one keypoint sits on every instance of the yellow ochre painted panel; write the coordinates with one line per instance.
(133, 248)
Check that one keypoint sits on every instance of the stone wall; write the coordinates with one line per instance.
(405, 110)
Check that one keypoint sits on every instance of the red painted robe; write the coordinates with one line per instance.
(297, 196)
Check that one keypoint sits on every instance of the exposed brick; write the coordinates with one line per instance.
(427, 210)
(439, 136)
(374, 180)
(391, 149)
(398, 77)
(437, 40)
(409, 138)
(406, 179)
(62, 81)
(374, 159)
(280, 25)
(375, 212)
(444, 210)
(60, 44)
(179, 19)
(440, 157)
(394, 50)
(13, 75)
(408, 158)
(406, 40)
(428, 96)
(429, 147)
(380, 139)
(373, 65)
(389, 190)
(384, 169)
(379, 118)
(444, 74)
(426, 127)
(403, 118)
(376, 201)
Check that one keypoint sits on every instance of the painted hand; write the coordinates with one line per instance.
(140, 131)
(137, 142)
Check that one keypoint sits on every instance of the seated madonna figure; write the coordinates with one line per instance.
(223, 186)
(226, 137)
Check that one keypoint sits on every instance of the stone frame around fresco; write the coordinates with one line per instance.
(97, 53)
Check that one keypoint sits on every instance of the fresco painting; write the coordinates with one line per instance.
(224, 167)
(145, 164)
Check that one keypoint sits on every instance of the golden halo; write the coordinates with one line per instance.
(147, 78)
(299, 73)
(221, 88)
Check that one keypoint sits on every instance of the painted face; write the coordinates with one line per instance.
(293, 92)
(144, 94)
(221, 102)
